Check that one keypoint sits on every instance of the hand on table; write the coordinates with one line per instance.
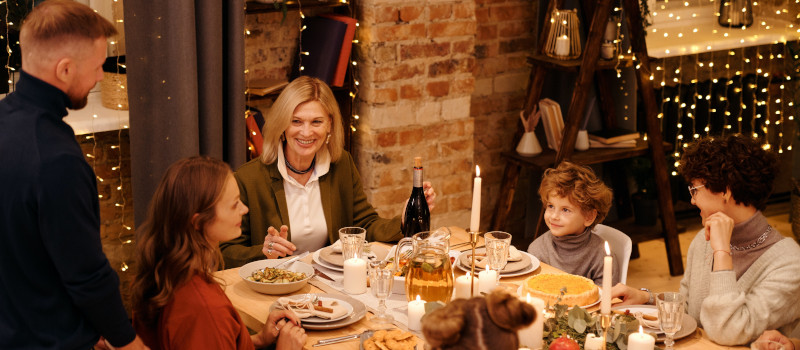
(291, 337)
(276, 322)
(136, 344)
(628, 295)
(275, 243)
(778, 337)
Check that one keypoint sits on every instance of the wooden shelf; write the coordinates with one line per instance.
(547, 158)
(254, 7)
(575, 65)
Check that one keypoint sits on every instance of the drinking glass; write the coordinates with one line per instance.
(381, 279)
(352, 247)
(766, 345)
(670, 315)
(497, 243)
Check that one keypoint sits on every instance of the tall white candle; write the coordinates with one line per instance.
(605, 300)
(355, 276)
(462, 289)
(531, 336)
(562, 46)
(475, 219)
(487, 280)
(641, 341)
(416, 309)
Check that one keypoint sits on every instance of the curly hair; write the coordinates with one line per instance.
(736, 163)
(170, 250)
(580, 185)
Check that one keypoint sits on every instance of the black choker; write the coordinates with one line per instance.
(289, 166)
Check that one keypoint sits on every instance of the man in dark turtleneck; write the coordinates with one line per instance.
(57, 289)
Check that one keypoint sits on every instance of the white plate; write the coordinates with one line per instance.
(688, 326)
(534, 265)
(315, 319)
(599, 296)
(325, 264)
(359, 311)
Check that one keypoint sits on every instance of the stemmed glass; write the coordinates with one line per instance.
(497, 243)
(670, 315)
(381, 279)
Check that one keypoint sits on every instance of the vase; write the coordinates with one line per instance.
(582, 141)
(529, 145)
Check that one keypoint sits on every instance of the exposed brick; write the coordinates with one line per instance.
(466, 47)
(402, 71)
(516, 45)
(464, 10)
(386, 14)
(398, 32)
(456, 108)
(410, 13)
(442, 68)
(438, 88)
(451, 28)
(463, 86)
(514, 29)
(410, 92)
(387, 138)
(485, 50)
(388, 196)
(482, 14)
(383, 52)
(451, 148)
(460, 201)
(509, 12)
(487, 32)
(439, 12)
(414, 51)
(385, 95)
(511, 82)
(410, 137)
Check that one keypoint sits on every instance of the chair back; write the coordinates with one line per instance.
(621, 246)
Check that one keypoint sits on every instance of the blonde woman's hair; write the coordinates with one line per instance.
(301, 90)
(580, 185)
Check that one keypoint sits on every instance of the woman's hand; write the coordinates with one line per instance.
(719, 228)
(276, 321)
(275, 243)
(778, 337)
(292, 337)
(430, 194)
(628, 295)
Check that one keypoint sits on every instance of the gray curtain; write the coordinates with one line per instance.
(185, 86)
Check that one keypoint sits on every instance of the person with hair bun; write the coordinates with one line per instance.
(742, 276)
(479, 323)
(575, 202)
(177, 302)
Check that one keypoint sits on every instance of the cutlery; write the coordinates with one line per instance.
(459, 244)
(330, 341)
(470, 248)
(323, 275)
(291, 260)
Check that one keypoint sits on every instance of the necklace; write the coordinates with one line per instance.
(757, 243)
(290, 167)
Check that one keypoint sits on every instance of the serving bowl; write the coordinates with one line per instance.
(276, 288)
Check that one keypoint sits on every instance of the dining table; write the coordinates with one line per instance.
(254, 306)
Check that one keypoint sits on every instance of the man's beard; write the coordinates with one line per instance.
(78, 102)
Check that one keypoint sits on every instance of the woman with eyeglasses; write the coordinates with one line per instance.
(742, 276)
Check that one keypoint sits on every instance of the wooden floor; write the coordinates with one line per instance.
(650, 269)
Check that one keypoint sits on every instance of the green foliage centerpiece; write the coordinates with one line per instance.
(576, 323)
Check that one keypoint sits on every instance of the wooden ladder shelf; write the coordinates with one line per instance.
(588, 67)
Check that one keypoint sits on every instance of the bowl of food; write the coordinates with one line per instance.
(261, 277)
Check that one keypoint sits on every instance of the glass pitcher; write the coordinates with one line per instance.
(430, 274)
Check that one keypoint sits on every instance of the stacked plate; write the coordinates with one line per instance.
(354, 311)
(331, 259)
(526, 264)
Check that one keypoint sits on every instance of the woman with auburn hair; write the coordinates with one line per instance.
(177, 303)
(305, 183)
(742, 276)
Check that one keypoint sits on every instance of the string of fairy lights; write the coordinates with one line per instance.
(353, 84)
(769, 110)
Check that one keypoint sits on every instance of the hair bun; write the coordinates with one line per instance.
(508, 312)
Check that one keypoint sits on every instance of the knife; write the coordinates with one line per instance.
(323, 275)
(291, 260)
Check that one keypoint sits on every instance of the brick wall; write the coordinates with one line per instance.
(416, 72)
(505, 37)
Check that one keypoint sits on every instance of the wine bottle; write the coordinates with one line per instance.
(417, 217)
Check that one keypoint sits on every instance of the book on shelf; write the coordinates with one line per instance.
(262, 87)
(322, 40)
(553, 122)
(609, 136)
(347, 45)
(621, 144)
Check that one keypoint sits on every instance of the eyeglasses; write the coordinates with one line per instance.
(693, 190)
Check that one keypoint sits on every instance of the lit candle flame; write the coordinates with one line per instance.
(418, 298)
(477, 171)
(641, 331)
(608, 250)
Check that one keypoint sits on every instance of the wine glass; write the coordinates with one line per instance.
(497, 243)
(670, 315)
(381, 279)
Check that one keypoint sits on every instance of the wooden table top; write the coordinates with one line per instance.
(254, 307)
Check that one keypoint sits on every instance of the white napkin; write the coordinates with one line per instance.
(336, 247)
(514, 254)
(305, 308)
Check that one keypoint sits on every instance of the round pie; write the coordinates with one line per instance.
(578, 290)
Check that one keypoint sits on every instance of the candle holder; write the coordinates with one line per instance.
(473, 241)
(564, 38)
(605, 323)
